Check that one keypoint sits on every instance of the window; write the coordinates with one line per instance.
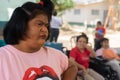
(95, 12)
(77, 11)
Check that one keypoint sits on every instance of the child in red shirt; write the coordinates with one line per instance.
(99, 34)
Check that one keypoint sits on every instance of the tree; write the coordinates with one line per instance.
(62, 5)
(113, 14)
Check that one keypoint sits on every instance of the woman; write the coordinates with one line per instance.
(110, 54)
(24, 57)
(80, 56)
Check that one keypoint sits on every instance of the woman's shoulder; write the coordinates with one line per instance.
(4, 50)
(56, 53)
(52, 50)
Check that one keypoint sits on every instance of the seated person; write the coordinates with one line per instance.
(110, 54)
(80, 56)
(24, 57)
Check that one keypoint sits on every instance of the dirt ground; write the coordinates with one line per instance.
(66, 34)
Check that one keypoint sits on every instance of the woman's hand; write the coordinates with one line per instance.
(71, 72)
(84, 71)
(89, 47)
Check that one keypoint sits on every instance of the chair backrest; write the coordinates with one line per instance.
(55, 45)
(2, 43)
(58, 46)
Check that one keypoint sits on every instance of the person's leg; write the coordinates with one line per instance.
(84, 77)
(88, 77)
(95, 75)
(79, 75)
(94, 44)
(79, 78)
(56, 33)
(115, 66)
(97, 44)
(52, 35)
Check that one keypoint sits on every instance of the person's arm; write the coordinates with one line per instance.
(108, 58)
(92, 52)
(116, 53)
(79, 66)
(104, 31)
(71, 72)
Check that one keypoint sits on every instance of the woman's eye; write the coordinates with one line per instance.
(43, 24)
(47, 25)
(40, 24)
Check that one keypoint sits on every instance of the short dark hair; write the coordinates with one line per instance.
(83, 35)
(104, 39)
(16, 28)
(99, 22)
(55, 13)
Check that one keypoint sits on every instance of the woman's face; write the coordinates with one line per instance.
(105, 44)
(82, 42)
(37, 32)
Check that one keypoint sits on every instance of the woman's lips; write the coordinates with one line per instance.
(43, 37)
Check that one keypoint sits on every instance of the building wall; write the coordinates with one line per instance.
(85, 15)
(6, 9)
(7, 6)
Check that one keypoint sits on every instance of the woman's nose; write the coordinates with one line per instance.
(43, 29)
